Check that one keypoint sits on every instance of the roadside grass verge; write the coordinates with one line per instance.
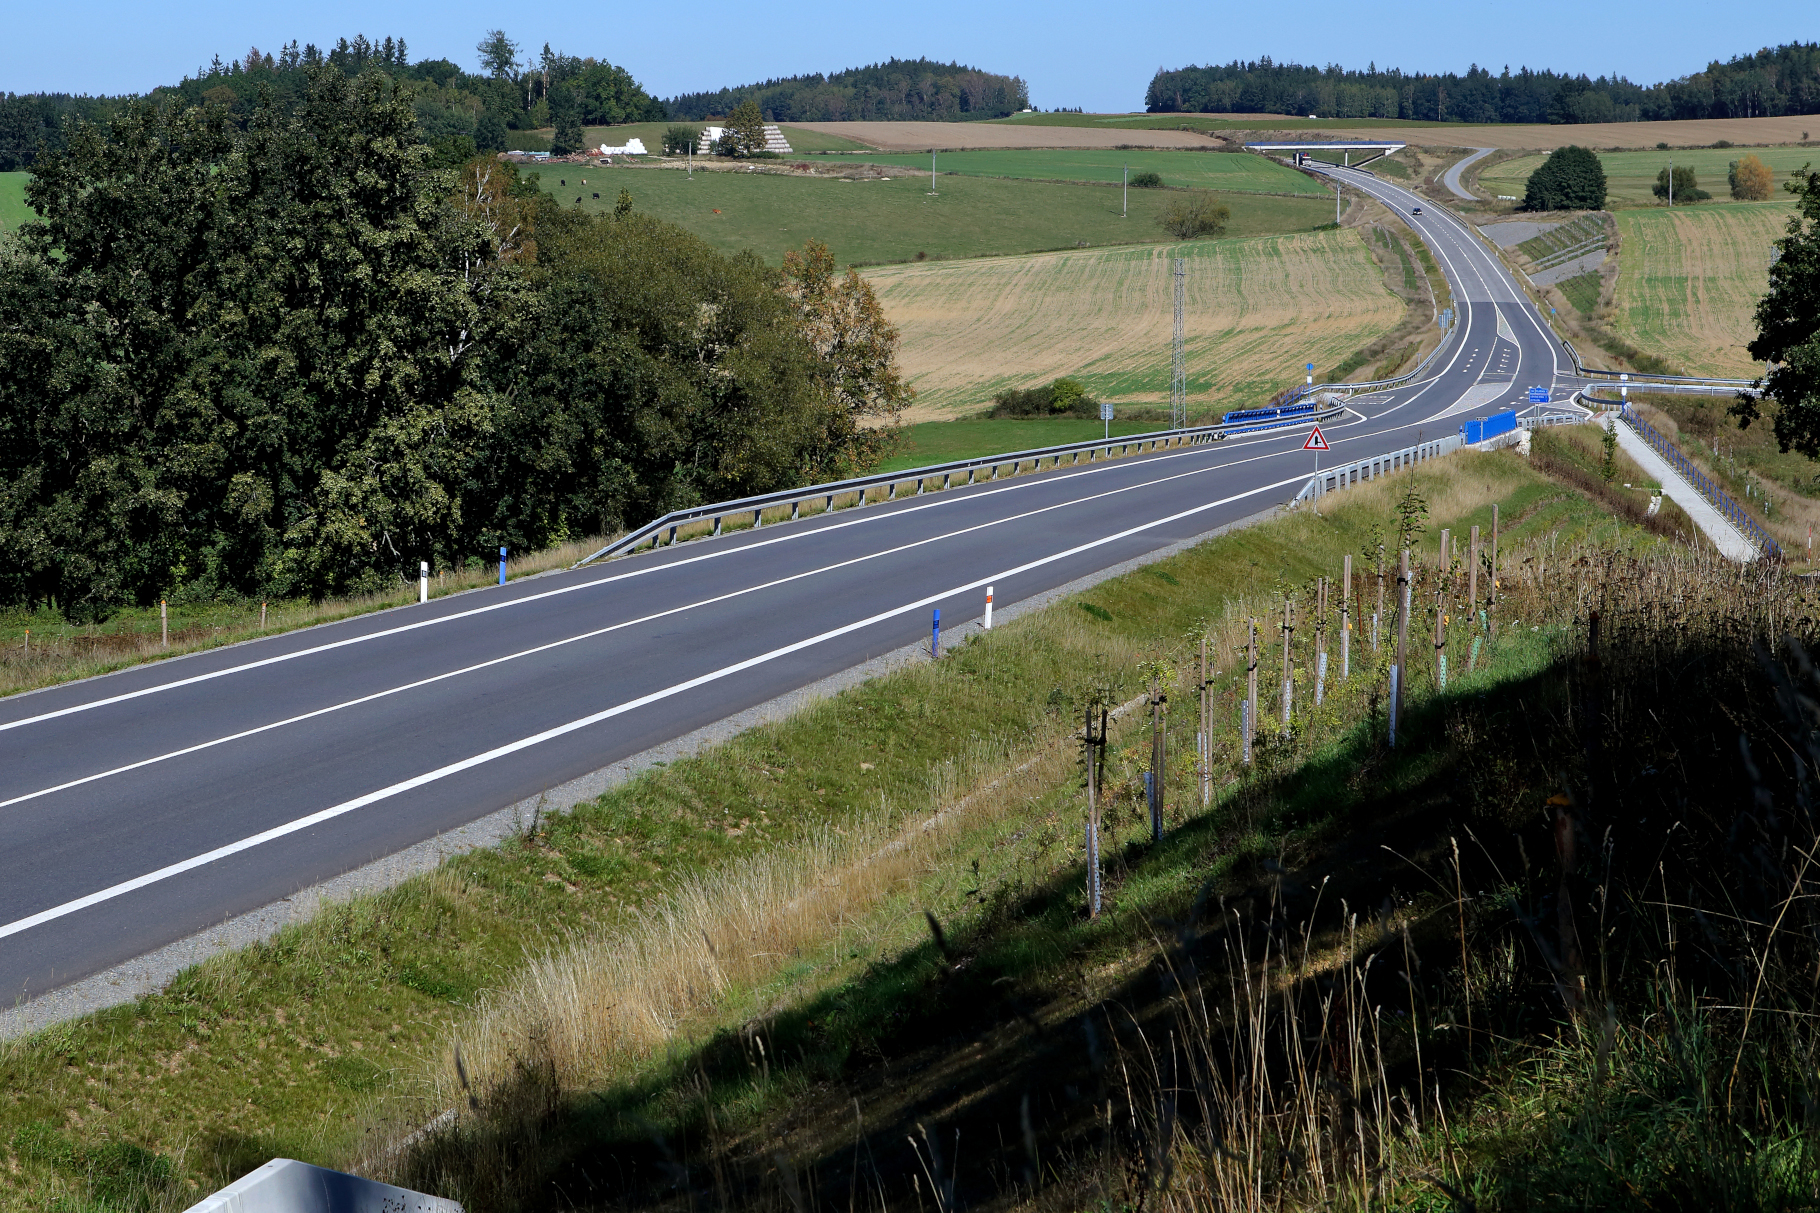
(336, 1035)
(930, 442)
(1460, 973)
(39, 648)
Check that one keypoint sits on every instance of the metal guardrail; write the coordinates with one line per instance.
(1377, 465)
(861, 487)
(1722, 501)
(1653, 382)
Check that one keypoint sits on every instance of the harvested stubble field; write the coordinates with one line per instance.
(886, 219)
(1242, 172)
(1631, 176)
(1257, 309)
(1690, 278)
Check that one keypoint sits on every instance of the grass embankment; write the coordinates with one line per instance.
(891, 219)
(1630, 177)
(1778, 488)
(13, 210)
(1236, 172)
(1257, 309)
(1300, 999)
(40, 648)
(1692, 278)
(1211, 122)
(299, 1047)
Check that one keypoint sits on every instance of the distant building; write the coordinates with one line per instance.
(710, 135)
(633, 147)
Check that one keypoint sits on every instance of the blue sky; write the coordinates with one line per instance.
(1096, 56)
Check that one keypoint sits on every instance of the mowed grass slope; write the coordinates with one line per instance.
(1630, 176)
(1237, 171)
(13, 210)
(931, 442)
(894, 218)
(1691, 278)
(1257, 309)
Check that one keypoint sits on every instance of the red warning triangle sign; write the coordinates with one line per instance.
(1316, 442)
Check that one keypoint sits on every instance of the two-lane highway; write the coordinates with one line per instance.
(139, 808)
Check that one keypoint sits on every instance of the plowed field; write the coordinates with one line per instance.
(1257, 310)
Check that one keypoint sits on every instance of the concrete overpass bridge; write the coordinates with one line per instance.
(1366, 149)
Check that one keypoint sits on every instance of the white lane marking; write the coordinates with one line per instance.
(595, 583)
(590, 635)
(524, 743)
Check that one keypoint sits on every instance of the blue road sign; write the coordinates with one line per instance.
(1538, 395)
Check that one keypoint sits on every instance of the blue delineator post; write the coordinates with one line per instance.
(935, 635)
(502, 566)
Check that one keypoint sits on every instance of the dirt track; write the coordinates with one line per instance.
(923, 136)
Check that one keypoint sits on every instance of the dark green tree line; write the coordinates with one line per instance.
(297, 358)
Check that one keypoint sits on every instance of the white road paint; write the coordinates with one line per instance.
(524, 743)
(643, 571)
(755, 588)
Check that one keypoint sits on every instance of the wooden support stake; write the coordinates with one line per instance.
(1397, 670)
(1494, 554)
(1472, 574)
(1249, 725)
(1288, 640)
(1346, 622)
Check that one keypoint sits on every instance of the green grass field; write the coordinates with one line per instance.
(13, 210)
(652, 135)
(943, 441)
(1629, 176)
(1237, 171)
(894, 219)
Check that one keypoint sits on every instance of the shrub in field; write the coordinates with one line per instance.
(1750, 179)
(1686, 185)
(679, 139)
(1571, 179)
(1063, 397)
(1194, 214)
(1147, 181)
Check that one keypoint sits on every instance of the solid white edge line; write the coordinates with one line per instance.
(593, 583)
(385, 793)
(615, 627)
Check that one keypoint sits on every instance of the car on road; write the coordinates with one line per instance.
(1415, 210)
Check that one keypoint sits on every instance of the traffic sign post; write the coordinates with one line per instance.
(1317, 442)
(1106, 416)
(1538, 395)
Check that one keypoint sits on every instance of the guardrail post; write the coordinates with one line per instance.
(892, 494)
(758, 516)
(717, 524)
(672, 539)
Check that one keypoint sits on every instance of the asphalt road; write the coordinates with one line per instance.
(141, 807)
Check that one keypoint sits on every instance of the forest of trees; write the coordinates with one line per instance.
(1778, 80)
(898, 90)
(512, 91)
(281, 351)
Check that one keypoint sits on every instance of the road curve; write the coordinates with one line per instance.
(1451, 178)
(139, 808)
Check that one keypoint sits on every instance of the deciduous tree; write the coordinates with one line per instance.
(1788, 329)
